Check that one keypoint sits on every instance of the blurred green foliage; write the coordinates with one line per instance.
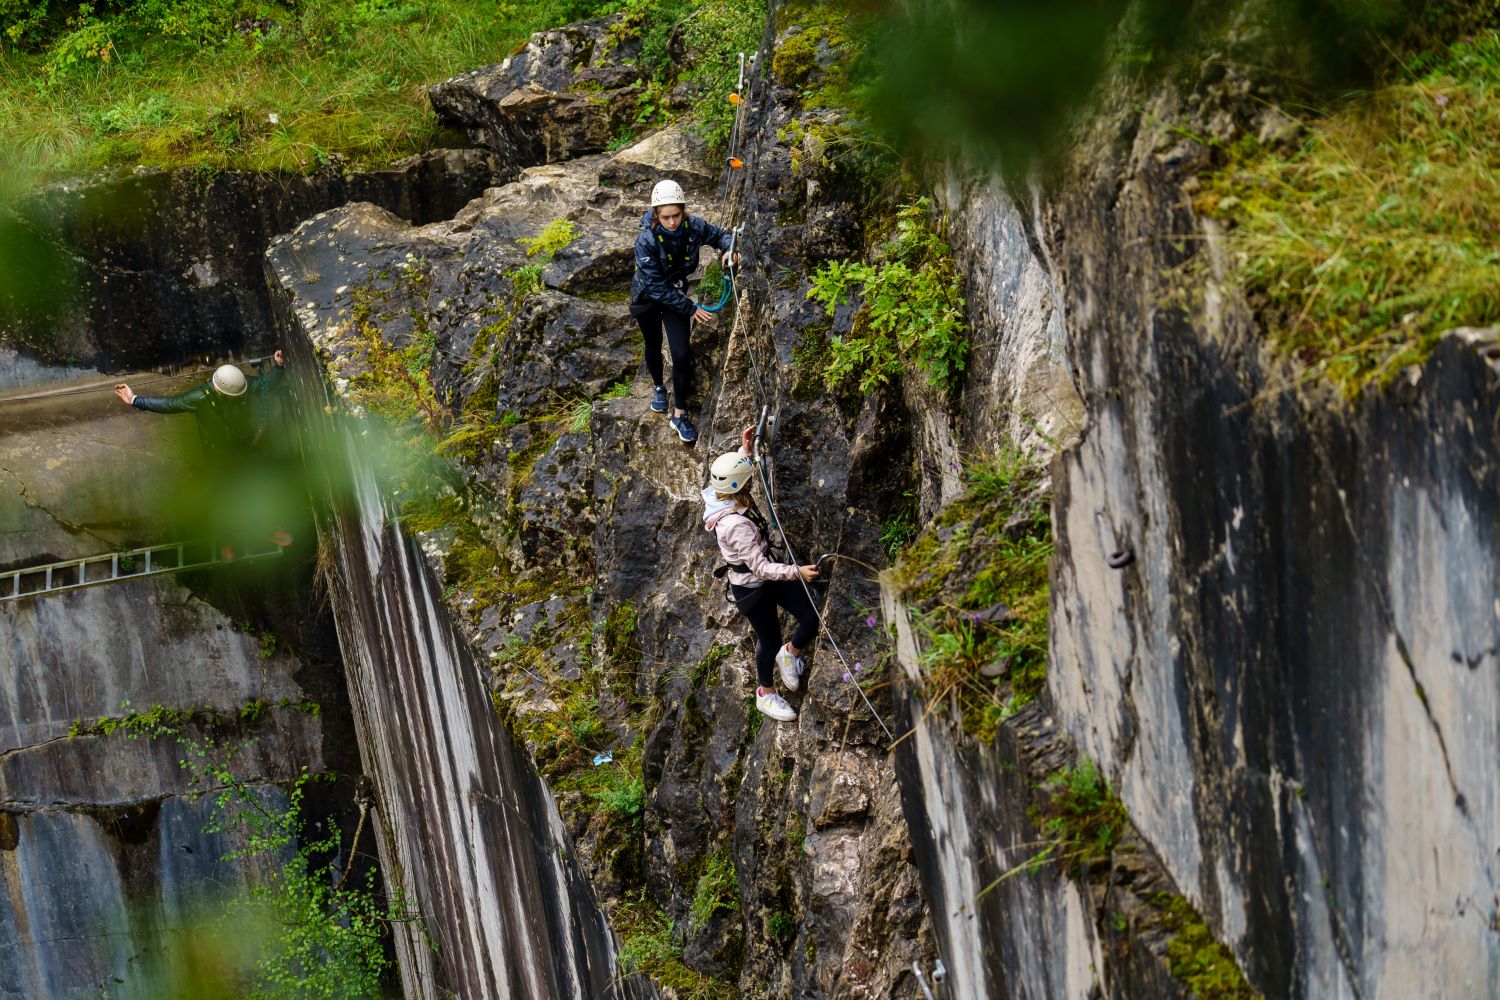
(1004, 78)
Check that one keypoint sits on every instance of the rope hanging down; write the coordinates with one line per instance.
(764, 467)
(791, 554)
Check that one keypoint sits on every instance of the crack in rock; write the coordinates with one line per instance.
(71, 527)
(1388, 614)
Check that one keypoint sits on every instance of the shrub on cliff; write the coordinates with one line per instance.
(911, 309)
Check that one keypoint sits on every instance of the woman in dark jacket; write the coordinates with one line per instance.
(666, 252)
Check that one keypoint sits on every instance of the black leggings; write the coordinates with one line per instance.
(678, 329)
(759, 605)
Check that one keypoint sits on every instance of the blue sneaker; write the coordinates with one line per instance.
(685, 429)
(659, 400)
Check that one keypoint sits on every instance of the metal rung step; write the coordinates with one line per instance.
(112, 567)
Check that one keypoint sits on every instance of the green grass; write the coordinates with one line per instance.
(195, 83)
(340, 77)
(1084, 819)
(1380, 232)
(651, 944)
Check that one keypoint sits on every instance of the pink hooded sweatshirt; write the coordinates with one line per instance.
(741, 544)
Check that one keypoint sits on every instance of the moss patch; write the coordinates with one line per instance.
(1204, 965)
(164, 720)
(825, 53)
(977, 582)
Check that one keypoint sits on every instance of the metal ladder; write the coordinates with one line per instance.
(112, 567)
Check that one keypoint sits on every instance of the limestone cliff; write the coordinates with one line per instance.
(1232, 714)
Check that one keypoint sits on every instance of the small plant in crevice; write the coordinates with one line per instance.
(976, 585)
(1082, 818)
(579, 417)
(651, 945)
(911, 309)
(781, 927)
(717, 889)
(623, 795)
(897, 533)
(707, 668)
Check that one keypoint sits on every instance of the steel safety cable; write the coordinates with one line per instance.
(791, 554)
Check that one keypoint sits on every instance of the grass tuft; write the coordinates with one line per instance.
(1383, 230)
(976, 579)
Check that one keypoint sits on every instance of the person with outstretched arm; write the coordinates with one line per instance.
(242, 488)
(666, 253)
(759, 585)
(231, 410)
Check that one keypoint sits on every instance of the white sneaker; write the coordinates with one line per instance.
(775, 706)
(792, 669)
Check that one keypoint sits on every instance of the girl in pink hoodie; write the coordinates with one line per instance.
(758, 585)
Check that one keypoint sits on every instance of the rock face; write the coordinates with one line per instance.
(1292, 680)
(168, 262)
(566, 93)
(101, 843)
(1295, 681)
(475, 835)
(599, 516)
(1288, 674)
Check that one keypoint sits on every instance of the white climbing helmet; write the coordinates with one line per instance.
(730, 472)
(667, 193)
(229, 381)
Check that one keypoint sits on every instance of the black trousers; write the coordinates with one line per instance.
(678, 328)
(760, 605)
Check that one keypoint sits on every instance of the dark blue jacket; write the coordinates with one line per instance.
(233, 421)
(664, 260)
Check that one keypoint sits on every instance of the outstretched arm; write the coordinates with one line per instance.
(185, 402)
